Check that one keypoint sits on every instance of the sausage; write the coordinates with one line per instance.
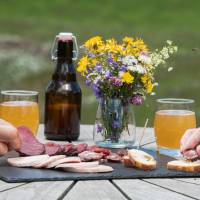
(3, 149)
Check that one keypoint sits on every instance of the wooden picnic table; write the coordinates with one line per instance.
(147, 189)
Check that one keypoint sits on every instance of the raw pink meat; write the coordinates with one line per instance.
(30, 146)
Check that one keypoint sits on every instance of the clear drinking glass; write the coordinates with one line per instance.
(20, 107)
(172, 118)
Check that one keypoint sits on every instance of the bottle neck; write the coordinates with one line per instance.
(65, 51)
(64, 71)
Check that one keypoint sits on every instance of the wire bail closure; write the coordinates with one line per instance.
(55, 43)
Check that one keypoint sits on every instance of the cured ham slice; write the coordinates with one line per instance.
(113, 157)
(64, 160)
(95, 169)
(28, 161)
(96, 149)
(52, 149)
(30, 146)
(46, 162)
(81, 147)
(90, 156)
(78, 165)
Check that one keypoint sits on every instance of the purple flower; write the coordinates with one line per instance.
(122, 68)
(115, 124)
(116, 81)
(99, 128)
(136, 100)
(89, 70)
(107, 74)
(98, 68)
(96, 91)
(88, 82)
(91, 55)
(110, 61)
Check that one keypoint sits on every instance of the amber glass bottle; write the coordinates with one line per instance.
(63, 95)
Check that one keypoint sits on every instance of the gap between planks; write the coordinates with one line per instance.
(166, 188)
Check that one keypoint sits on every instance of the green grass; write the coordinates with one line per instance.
(29, 27)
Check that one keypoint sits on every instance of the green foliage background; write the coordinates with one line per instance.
(27, 29)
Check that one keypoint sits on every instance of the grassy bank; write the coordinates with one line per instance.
(29, 27)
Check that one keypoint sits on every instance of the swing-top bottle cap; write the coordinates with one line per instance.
(65, 36)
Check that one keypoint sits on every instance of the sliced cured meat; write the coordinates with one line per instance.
(64, 160)
(90, 156)
(52, 149)
(122, 152)
(79, 165)
(95, 169)
(96, 149)
(28, 161)
(190, 155)
(30, 146)
(81, 147)
(51, 159)
(66, 148)
(113, 157)
(69, 149)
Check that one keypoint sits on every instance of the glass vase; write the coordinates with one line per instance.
(115, 124)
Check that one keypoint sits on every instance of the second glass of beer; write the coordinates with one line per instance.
(173, 117)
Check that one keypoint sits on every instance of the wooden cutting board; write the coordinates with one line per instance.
(16, 175)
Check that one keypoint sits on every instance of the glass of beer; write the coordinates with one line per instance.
(173, 117)
(20, 108)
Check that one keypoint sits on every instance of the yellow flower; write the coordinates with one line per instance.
(94, 62)
(94, 44)
(128, 40)
(149, 87)
(134, 47)
(111, 46)
(82, 64)
(146, 80)
(127, 78)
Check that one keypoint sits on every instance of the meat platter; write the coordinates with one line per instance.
(87, 155)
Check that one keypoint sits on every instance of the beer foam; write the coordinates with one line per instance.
(18, 103)
(175, 112)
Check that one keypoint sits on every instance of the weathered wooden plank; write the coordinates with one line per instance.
(90, 190)
(86, 134)
(140, 190)
(190, 180)
(37, 190)
(178, 186)
(6, 186)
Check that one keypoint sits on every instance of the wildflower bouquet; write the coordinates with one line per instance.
(120, 74)
(122, 70)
